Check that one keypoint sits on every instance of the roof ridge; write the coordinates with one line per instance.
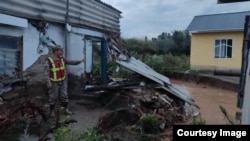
(223, 13)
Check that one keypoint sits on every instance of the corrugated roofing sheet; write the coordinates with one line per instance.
(83, 13)
(144, 70)
(121, 56)
(218, 22)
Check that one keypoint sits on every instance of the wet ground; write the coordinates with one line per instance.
(86, 118)
(209, 100)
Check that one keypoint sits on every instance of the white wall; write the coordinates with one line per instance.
(31, 42)
(76, 49)
(75, 52)
(56, 33)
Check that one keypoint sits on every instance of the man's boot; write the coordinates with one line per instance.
(52, 110)
(65, 108)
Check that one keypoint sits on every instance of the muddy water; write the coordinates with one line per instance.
(209, 100)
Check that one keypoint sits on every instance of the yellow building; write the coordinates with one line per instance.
(217, 41)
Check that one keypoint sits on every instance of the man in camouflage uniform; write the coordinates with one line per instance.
(55, 76)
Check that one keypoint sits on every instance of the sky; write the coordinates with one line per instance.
(150, 18)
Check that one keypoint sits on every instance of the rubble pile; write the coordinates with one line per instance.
(35, 72)
(28, 116)
(29, 108)
(142, 100)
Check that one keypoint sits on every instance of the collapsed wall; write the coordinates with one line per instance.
(35, 73)
(35, 76)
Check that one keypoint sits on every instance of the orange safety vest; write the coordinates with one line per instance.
(57, 70)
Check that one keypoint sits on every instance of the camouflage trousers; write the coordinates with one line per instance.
(58, 92)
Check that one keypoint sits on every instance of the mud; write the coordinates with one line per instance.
(209, 99)
(209, 95)
(218, 81)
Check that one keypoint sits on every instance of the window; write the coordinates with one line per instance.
(10, 55)
(223, 48)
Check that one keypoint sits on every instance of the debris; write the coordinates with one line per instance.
(141, 102)
(120, 116)
(121, 56)
(28, 108)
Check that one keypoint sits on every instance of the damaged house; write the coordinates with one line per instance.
(28, 29)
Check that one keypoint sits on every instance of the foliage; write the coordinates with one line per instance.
(62, 134)
(176, 63)
(156, 62)
(161, 63)
(149, 124)
(182, 42)
(91, 135)
(169, 52)
(168, 63)
(96, 68)
(199, 121)
(141, 47)
(65, 134)
(177, 42)
(228, 118)
(165, 46)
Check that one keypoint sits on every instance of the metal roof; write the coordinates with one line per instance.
(93, 14)
(121, 56)
(218, 22)
(139, 67)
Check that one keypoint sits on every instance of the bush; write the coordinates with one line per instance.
(65, 134)
(168, 63)
(156, 62)
(149, 124)
(62, 134)
(161, 63)
(199, 121)
(92, 135)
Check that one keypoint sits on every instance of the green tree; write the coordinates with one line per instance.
(141, 47)
(165, 45)
(182, 42)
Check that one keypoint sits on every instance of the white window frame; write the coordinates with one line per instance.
(223, 46)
